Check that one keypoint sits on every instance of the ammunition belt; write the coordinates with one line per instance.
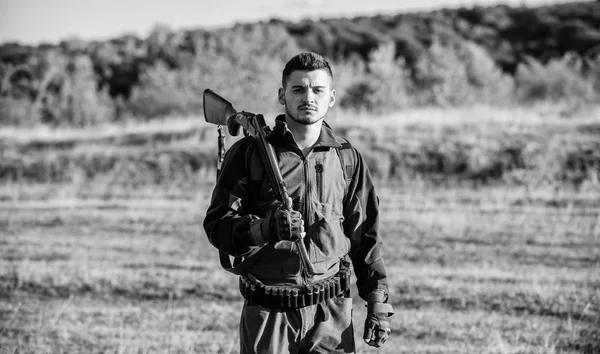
(270, 296)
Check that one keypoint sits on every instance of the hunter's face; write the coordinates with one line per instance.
(307, 96)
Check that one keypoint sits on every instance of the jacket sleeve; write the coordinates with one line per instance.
(361, 225)
(227, 221)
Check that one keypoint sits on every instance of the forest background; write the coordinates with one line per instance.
(499, 57)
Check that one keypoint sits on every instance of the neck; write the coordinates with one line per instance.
(305, 135)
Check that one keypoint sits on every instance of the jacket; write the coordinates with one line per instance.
(341, 216)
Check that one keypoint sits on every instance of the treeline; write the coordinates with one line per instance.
(492, 55)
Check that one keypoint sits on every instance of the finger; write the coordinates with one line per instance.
(368, 333)
(373, 343)
(380, 337)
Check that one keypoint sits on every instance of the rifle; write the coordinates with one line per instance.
(219, 111)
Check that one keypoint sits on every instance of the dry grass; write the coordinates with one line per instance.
(527, 146)
(487, 271)
(437, 117)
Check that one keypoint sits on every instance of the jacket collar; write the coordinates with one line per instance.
(327, 138)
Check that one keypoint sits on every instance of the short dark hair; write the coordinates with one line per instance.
(307, 61)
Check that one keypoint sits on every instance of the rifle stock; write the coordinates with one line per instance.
(217, 110)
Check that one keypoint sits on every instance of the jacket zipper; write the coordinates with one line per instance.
(319, 168)
(307, 222)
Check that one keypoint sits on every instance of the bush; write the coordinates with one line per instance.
(85, 105)
(441, 77)
(383, 87)
(559, 79)
(163, 92)
(59, 91)
(250, 85)
(592, 71)
(489, 85)
(17, 112)
(460, 74)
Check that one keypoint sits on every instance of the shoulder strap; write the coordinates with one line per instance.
(348, 160)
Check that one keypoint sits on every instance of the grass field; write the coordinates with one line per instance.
(97, 264)
(472, 271)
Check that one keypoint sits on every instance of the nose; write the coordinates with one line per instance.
(309, 97)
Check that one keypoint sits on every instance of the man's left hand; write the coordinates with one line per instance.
(377, 325)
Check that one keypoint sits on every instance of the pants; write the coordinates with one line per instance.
(321, 328)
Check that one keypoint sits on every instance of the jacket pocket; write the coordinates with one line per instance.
(319, 169)
(328, 242)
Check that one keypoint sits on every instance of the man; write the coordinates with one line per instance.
(291, 306)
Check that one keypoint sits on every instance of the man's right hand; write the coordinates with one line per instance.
(277, 225)
(285, 225)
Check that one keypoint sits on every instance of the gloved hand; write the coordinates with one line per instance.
(278, 225)
(377, 325)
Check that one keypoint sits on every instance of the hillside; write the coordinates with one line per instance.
(496, 55)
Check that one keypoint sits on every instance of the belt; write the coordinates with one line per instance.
(271, 296)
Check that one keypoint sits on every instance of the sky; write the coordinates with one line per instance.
(37, 21)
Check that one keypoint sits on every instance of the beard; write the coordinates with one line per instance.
(304, 119)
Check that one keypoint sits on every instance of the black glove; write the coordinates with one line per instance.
(278, 225)
(377, 325)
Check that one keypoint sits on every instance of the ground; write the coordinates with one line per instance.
(500, 269)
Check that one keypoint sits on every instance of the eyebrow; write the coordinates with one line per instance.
(303, 86)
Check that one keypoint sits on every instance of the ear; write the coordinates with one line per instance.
(332, 98)
(281, 96)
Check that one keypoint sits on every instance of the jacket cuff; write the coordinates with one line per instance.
(377, 303)
(380, 308)
(378, 295)
(256, 233)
